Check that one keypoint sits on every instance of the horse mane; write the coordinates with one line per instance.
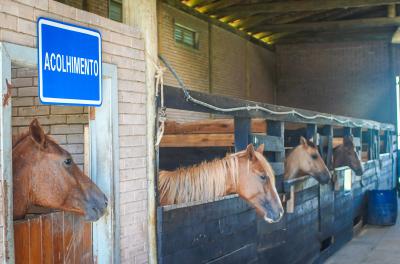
(204, 181)
(16, 139)
(200, 182)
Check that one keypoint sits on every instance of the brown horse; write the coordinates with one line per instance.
(45, 175)
(246, 173)
(306, 160)
(345, 155)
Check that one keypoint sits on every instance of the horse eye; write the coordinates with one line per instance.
(68, 162)
(263, 177)
(314, 156)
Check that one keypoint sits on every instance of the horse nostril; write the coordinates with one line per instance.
(105, 200)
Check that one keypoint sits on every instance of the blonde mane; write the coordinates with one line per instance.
(201, 182)
(204, 181)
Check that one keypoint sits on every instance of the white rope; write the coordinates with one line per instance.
(256, 107)
(162, 114)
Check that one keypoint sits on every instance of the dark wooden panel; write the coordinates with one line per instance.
(320, 213)
(278, 167)
(242, 129)
(245, 254)
(272, 143)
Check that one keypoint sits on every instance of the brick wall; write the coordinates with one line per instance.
(64, 124)
(99, 7)
(347, 78)
(229, 65)
(122, 46)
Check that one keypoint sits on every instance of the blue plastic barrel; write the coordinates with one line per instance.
(382, 207)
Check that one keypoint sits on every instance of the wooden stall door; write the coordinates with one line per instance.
(53, 238)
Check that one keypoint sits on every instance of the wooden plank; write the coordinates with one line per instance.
(245, 254)
(68, 238)
(47, 239)
(277, 129)
(78, 237)
(278, 167)
(311, 133)
(198, 140)
(35, 241)
(174, 98)
(331, 25)
(21, 242)
(271, 143)
(211, 126)
(347, 132)
(242, 132)
(297, 6)
(58, 234)
(328, 155)
(87, 256)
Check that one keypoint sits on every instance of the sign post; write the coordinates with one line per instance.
(69, 64)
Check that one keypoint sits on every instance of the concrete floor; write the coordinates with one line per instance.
(380, 245)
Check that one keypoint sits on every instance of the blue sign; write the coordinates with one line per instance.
(69, 64)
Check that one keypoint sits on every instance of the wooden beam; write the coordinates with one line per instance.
(276, 128)
(328, 132)
(332, 25)
(198, 140)
(242, 132)
(298, 6)
(211, 126)
(174, 98)
(328, 36)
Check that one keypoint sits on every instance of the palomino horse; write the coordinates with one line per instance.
(306, 160)
(246, 173)
(44, 174)
(345, 155)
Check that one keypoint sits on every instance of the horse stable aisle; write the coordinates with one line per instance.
(373, 245)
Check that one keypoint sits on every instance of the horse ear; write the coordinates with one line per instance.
(37, 133)
(260, 149)
(303, 141)
(348, 141)
(250, 151)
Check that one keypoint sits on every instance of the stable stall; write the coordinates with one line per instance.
(227, 229)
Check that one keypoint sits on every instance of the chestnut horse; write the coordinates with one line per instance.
(246, 173)
(306, 160)
(345, 155)
(45, 175)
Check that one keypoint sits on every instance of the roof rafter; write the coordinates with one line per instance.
(298, 6)
(331, 25)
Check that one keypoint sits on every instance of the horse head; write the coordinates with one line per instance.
(46, 175)
(345, 155)
(306, 160)
(256, 183)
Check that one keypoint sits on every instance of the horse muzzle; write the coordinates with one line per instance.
(323, 178)
(272, 215)
(95, 208)
(275, 218)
